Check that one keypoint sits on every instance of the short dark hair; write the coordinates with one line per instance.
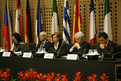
(103, 34)
(17, 36)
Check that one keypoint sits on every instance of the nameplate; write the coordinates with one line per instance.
(27, 55)
(49, 55)
(6, 54)
(72, 57)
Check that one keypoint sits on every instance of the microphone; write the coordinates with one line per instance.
(83, 51)
(115, 54)
(5, 44)
(59, 49)
(107, 55)
(6, 47)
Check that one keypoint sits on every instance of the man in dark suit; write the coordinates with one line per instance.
(105, 46)
(44, 43)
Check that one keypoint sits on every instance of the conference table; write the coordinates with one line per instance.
(87, 67)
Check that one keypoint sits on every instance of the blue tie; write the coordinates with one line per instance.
(41, 46)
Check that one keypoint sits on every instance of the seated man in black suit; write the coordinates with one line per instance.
(105, 46)
(44, 43)
(81, 46)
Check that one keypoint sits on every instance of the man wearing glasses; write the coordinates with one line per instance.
(43, 43)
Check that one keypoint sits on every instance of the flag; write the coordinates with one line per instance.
(7, 32)
(66, 27)
(107, 20)
(93, 29)
(28, 32)
(38, 22)
(18, 19)
(54, 18)
(77, 19)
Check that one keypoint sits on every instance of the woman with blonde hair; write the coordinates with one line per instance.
(81, 46)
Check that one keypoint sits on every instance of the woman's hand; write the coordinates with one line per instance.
(72, 48)
(85, 55)
(77, 45)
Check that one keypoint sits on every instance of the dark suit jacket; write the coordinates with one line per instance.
(111, 48)
(61, 49)
(85, 46)
(47, 45)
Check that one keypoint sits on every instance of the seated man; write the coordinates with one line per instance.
(81, 46)
(44, 43)
(105, 46)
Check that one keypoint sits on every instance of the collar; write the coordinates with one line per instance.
(44, 41)
(107, 43)
(57, 44)
(81, 43)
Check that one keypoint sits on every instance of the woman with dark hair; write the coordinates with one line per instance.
(58, 46)
(16, 42)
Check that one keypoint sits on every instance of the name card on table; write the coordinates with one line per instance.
(72, 57)
(49, 55)
(27, 55)
(6, 54)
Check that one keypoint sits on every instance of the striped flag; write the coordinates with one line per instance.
(7, 32)
(77, 19)
(107, 20)
(38, 22)
(93, 29)
(28, 32)
(66, 27)
(18, 19)
(55, 21)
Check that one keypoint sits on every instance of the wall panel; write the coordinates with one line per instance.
(46, 12)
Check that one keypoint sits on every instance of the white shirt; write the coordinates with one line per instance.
(56, 46)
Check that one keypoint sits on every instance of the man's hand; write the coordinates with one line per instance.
(102, 46)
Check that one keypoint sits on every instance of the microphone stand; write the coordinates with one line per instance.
(59, 49)
(5, 45)
(115, 54)
(83, 51)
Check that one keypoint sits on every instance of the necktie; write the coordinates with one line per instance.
(41, 46)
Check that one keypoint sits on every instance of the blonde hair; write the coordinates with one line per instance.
(79, 35)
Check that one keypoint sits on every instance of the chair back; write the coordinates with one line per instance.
(68, 46)
(93, 46)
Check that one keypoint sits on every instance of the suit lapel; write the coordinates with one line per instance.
(59, 45)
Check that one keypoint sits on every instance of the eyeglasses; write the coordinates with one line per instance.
(55, 37)
(77, 39)
(41, 35)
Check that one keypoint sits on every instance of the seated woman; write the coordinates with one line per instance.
(16, 42)
(81, 46)
(58, 46)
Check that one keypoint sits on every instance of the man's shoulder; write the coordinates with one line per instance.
(111, 43)
(49, 43)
